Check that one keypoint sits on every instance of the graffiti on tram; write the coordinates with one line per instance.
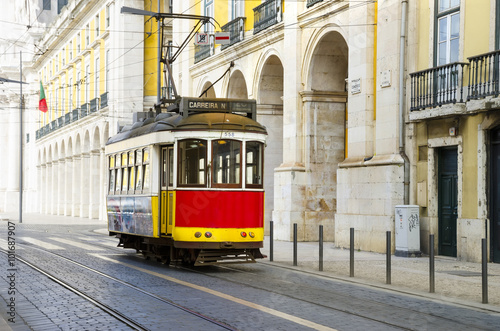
(130, 215)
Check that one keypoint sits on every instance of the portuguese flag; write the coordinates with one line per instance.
(42, 104)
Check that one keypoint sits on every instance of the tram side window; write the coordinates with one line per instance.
(226, 163)
(145, 161)
(118, 163)
(124, 172)
(131, 172)
(112, 174)
(254, 167)
(138, 170)
(192, 162)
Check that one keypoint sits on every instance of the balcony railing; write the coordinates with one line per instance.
(235, 29)
(201, 52)
(67, 118)
(312, 2)
(75, 114)
(84, 110)
(104, 100)
(266, 15)
(94, 105)
(437, 86)
(484, 75)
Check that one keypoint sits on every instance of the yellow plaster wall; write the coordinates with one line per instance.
(150, 49)
(469, 189)
(477, 27)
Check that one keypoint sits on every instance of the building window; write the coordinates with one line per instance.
(46, 4)
(106, 85)
(78, 89)
(107, 16)
(70, 93)
(57, 63)
(237, 9)
(70, 50)
(60, 5)
(448, 31)
(497, 41)
(87, 35)
(96, 77)
(97, 22)
(64, 56)
(87, 83)
(78, 42)
(208, 6)
(63, 96)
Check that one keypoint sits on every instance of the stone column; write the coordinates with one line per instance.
(93, 180)
(85, 182)
(61, 200)
(68, 189)
(103, 184)
(77, 159)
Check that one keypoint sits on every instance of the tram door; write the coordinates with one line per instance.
(167, 193)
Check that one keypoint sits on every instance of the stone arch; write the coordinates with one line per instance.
(96, 174)
(324, 111)
(237, 86)
(210, 91)
(69, 187)
(270, 113)
(85, 178)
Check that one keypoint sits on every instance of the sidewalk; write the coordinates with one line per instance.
(455, 281)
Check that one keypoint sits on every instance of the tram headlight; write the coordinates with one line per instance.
(197, 234)
(208, 234)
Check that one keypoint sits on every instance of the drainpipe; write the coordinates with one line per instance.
(404, 4)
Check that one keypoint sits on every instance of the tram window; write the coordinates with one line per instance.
(118, 179)
(171, 167)
(138, 184)
(112, 180)
(192, 162)
(146, 176)
(226, 163)
(254, 160)
(125, 179)
(131, 162)
(164, 168)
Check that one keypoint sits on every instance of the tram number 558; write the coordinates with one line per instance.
(228, 134)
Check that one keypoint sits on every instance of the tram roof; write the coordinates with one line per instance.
(212, 121)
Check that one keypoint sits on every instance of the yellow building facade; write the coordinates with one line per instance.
(453, 95)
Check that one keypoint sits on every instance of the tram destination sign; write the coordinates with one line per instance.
(200, 105)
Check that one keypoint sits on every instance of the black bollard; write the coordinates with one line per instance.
(294, 244)
(271, 239)
(431, 264)
(351, 255)
(484, 270)
(321, 248)
(388, 257)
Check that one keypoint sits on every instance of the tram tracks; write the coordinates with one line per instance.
(115, 313)
(352, 301)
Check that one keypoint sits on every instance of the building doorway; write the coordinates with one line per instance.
(447, 201)
(495, 195)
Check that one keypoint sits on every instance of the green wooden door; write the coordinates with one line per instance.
(447, 201)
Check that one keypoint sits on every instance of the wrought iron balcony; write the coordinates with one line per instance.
(94, 105)
(75, 114)
(437, 86)
(104, 100)
(236, 29)
(84, 110)
(201, 52)
(312, 2)
(53, 125)
(484, 75)
(266, 14)
(67, 118)
(60, 121)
